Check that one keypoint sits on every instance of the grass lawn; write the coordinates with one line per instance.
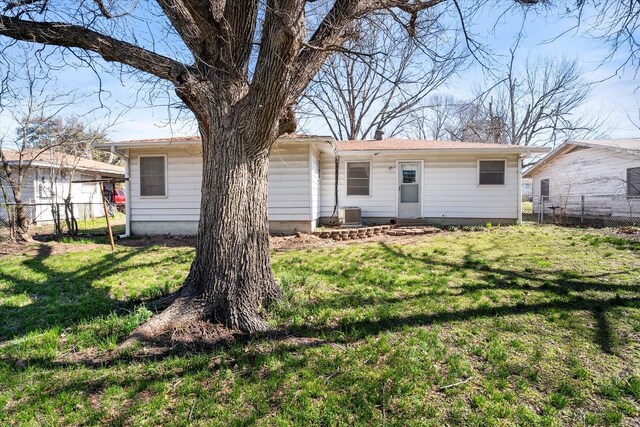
(506, 326)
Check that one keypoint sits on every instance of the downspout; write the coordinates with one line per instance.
(334, 215)
(127, 203)
(519, 204)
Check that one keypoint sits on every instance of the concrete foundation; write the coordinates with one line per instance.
(190, 228)
(431, 221)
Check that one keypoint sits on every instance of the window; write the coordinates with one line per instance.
(44, 190)
(544, 189)
(633, 182)
(153, 177)
(358, 174)
(491, 172)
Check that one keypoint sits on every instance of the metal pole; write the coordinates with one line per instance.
(106, 215)
(542, 209)
(582, 209)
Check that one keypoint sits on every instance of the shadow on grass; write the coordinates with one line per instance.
(62, 299)
(549, 290)
(562, 292)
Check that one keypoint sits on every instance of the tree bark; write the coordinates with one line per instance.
(21, 220)
(231, 279)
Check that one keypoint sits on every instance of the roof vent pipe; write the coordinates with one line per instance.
(378, 135)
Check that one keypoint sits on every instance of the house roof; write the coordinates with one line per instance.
(388, 145)
(630, 146)
(195, 140)
(403, 145)
(39, 158)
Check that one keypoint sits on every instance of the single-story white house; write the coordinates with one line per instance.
(601, 177)
(49, 177)
(312, 178)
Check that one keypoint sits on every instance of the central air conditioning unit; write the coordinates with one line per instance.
(350, 217)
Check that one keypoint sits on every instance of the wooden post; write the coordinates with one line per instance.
(582, 209)
(106, 215)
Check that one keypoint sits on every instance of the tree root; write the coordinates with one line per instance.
(185, 320)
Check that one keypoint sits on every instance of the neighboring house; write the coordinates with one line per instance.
(604, 175)
(49, 176)
(390, 180)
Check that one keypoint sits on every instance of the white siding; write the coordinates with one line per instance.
(314, 160)
(28, 194)
(82, 194)
(592, 172)
(289, 185)
(449, 188)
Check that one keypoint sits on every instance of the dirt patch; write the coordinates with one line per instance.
(277, 243)
(38, 249)
(305, 241)
(631, 233)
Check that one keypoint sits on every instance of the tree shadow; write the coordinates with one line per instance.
(49, 298)
(564, 291)
(559, 290)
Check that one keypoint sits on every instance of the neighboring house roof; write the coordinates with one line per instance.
(630, 146)
(60, 160)
(388, 145)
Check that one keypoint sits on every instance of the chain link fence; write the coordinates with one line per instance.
(583, 210)
(54, 220)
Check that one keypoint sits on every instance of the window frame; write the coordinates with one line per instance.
(633, 196)
(504, 178)
(346, 178)
(166, 176)
(548, 196)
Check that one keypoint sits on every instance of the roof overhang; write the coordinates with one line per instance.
(524, 151)
(191, 142)
(40, 164)
(568, 145)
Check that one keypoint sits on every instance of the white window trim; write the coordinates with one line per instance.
(346, 179)
(166, 176)
(491, 185)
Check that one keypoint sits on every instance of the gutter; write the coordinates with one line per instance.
(127, 204)
(447, 151)
(519, 189)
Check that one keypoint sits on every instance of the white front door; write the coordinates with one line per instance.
(409, 189)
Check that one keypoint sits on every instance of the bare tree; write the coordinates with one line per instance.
(538, 105)
(28, 101)
(616, 23)
(380, 77)
(541, 105)
(434, 120)
(243, 65)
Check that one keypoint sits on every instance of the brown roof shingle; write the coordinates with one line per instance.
(416, 144)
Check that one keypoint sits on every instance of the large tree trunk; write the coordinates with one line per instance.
(230, 280)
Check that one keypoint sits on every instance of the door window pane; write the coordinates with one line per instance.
(409, 193)
(409, 176)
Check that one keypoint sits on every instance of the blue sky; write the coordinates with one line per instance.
(616, 96)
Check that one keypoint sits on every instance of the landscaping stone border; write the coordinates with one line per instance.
(363, 232)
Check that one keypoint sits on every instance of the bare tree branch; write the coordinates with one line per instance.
(110, 49)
